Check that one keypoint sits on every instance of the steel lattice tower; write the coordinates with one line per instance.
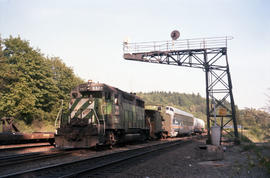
(209, 54)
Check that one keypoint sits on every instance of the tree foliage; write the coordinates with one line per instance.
(268, 101)
(32, 86)
(193, 103)
(256, 121)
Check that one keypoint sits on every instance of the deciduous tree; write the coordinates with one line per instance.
(32, 86)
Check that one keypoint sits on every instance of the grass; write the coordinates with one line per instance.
(248, 144)
(254, 134)
(263, 160)
(44, 126)
(248, 139)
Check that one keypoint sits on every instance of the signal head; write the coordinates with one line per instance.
(175, 35)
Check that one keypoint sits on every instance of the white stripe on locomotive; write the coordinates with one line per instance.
(78, 106)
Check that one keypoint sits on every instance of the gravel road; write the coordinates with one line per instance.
(183, 161)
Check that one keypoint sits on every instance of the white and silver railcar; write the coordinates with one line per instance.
(181, 122)
(199, 125)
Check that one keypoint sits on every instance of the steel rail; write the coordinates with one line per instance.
(29, 157)
(23, 147)
(119, 160)
(3, 158)
(79, 167)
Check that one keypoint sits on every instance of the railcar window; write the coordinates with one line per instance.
(175, 122)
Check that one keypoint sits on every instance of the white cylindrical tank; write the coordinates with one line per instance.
(215, 135)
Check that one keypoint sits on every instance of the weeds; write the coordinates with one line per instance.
(263, 160)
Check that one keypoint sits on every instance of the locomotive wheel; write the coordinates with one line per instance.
(163, 136)
(51, 141)
(111, 139)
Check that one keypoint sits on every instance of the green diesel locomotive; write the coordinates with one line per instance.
(101, 115)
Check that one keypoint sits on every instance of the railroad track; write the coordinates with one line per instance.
(20, 147)
(28, 157)
(86, 166)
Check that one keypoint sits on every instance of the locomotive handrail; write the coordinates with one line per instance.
(173, 45)
(59, 115)
(104, 126)
(97, 119)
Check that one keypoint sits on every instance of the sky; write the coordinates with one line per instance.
(88, 37)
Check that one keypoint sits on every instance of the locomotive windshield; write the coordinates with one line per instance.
(94, 94)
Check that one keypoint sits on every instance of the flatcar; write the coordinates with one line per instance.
(101, 115)
(11, 135)
(20, 138)
(199, 126)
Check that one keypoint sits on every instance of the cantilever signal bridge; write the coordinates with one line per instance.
(209, 54)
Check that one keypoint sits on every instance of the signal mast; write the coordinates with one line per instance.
(208, 54)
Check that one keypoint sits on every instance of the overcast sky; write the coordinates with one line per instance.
(88, 36)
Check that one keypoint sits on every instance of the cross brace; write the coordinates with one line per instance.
(214, 62)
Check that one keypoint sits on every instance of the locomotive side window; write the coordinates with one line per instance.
(95, 94)
(116, 99)
(139, 103)
(74, 95)
(107, 95)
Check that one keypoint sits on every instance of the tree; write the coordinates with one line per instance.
(29, 89)
(32, 86)
(2, 67)
(64, 78)
(268, 102)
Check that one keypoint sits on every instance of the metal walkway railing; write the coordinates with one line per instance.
(174, 45)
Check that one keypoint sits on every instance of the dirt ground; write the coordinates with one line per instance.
(186, 161)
